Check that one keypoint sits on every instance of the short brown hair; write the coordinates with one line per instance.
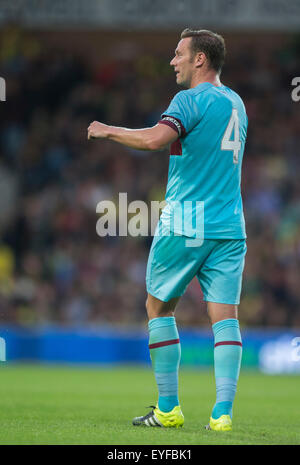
(210, 43)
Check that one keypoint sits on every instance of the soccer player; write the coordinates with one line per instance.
(206, 126)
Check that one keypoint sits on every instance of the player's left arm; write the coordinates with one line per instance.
(155, 138)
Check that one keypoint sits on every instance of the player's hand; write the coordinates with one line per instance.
(97, 130)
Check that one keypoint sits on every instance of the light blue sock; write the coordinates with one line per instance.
(165, 354)
(227, 357)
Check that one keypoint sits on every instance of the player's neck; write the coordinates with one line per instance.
(210, 77)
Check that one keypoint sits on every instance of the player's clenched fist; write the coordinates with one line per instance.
(97, 130)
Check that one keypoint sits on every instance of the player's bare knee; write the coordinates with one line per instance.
(147, 303)
(218, 311)
(150, 309)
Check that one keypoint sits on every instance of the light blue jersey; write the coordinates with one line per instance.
(205, 163)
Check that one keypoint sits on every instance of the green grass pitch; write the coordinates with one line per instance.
(64, 405)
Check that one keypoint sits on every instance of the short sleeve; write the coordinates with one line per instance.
(183, 112)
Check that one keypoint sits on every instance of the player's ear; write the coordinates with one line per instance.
(200, 59)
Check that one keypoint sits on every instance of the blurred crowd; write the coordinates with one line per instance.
(54, 268)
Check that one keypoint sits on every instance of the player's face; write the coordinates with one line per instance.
(183, 62)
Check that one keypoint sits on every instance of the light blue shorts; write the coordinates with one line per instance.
(217, 263)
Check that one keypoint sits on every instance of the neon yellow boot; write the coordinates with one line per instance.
(156, 417)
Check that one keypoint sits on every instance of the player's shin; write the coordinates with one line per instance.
(165, 354)
(227, 359)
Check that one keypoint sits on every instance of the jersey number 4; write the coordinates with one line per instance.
(229, 142)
